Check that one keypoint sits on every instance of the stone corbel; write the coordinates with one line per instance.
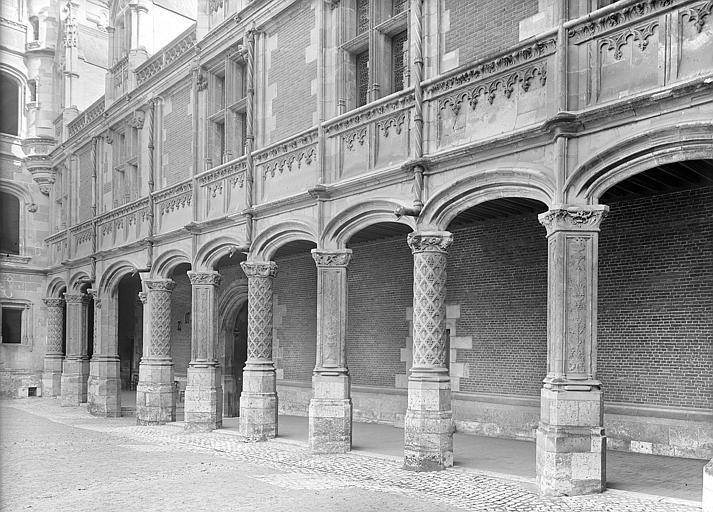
(137, 119)
(42, 172)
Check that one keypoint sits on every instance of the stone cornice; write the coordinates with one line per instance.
(430, 241)
(211, 278)
(255, 269)
(333, 258)
(573, 218)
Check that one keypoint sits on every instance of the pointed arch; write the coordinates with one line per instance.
(448, 202)
(166, 262)
(670, 144)
(342, 227)
(271, 239)
(212, 251)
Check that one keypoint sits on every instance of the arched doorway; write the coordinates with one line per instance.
(130, 339)
(236, 353)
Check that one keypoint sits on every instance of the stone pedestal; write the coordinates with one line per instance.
(428, 425)
(330, 410)
(571, 445)
(204, 392)
(75, 369)
(52, 373)
(258, 400)
(708, 487)
(155, 400)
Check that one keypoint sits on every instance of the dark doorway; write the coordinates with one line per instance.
(236, 353)
(130, 317)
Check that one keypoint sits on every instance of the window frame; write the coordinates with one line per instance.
(27, 205)
(26, 324)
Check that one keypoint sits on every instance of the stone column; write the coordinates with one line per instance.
(155, 401)
(204, 390)
(708, 487)
(75, 370)
(258, 400)
(571, 445)
(428, 425)
(330, 410)
(52, 374)
(104, 386)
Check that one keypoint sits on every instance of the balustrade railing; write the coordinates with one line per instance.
(123, 225)
(222, 189)
(57, 248)
(86, 118)
(173, 206)
(167, 56)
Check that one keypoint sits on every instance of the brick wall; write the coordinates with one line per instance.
(478, 29)
(177, 138)
(380, 283)
(656, 300)
(295, 288)
(294, 103)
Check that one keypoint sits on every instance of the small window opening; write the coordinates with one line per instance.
(32, 391)
(9, 224)
(32, 88)
(11, 325)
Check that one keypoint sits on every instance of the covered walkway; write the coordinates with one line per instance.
(670, 477)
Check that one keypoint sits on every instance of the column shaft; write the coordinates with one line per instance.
(428, 425)
(155, 399)
(104, 385)
(330, 410)
(571, 445)
(258, 400)
(204, 389)
(52, 374)
(75, 370)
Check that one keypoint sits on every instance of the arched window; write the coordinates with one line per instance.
(9, 224)
(9, 105)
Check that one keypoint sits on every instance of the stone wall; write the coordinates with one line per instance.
(177, 159)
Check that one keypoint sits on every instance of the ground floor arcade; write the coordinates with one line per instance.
(429, 330)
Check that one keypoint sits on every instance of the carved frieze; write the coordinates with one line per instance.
(294, 144)
(698, 14)
(354, 137)
(76, 298)
(160, 285)
(291, 161)
(612, 20)
(205, 278)
(573, 218)
(433, 241)
(577, 292)
(639, 35)
(337, 258)
(391, 124)
(365, 116)
(259, 269)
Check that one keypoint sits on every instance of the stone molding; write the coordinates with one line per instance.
(573, 218)
(210, 278)
(259, 269)
(336, 258)
(430, 241)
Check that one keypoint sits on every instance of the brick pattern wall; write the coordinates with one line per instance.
(84, 210)
(497, 273)
(380, 284)
(478, 29)
(656, 300)
(177, 145)
(295, 288)
(294, 103)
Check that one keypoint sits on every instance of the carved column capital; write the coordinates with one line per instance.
(143, 297)
(211, 278)
(259, 269)
(573, 218)
(334, 258)
(430, 241)
(160, 285)
(54, 302)
(76, 298)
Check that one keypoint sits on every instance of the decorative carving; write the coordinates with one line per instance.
(357, 135)
(296, 143)
(55, 324)
(573, 218)
(223, 171)
(143, 297)
(166, 57)
(294, 159)
(577, 302)
(429, 295)
(70, 27)
(137, 119)
(370, 114)
(338, 258)
(526, 54)
(160, 285)
(214, 5)
(430, 241)
(612, 20)
(76, 298)
(201, 80)
(489, 89)
(255, 269)
(205, 278)
(395, 122)
(698, 14)
(159, 300)
(640, 35)
(32, 207)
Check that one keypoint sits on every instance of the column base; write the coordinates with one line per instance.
(258, 405)
(571, 445)
(330, 414)
(52, 375)
(204, 398)
(155, 398)
(104, 387)
(428, 425)
(708, 487)
(73, 385)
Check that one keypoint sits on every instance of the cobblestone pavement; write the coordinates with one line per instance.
(56, 458)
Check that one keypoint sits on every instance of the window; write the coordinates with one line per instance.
(9, 105)
(376, 37)
(9, 224)
(11, 325)
(32, 91)
(226, 109)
